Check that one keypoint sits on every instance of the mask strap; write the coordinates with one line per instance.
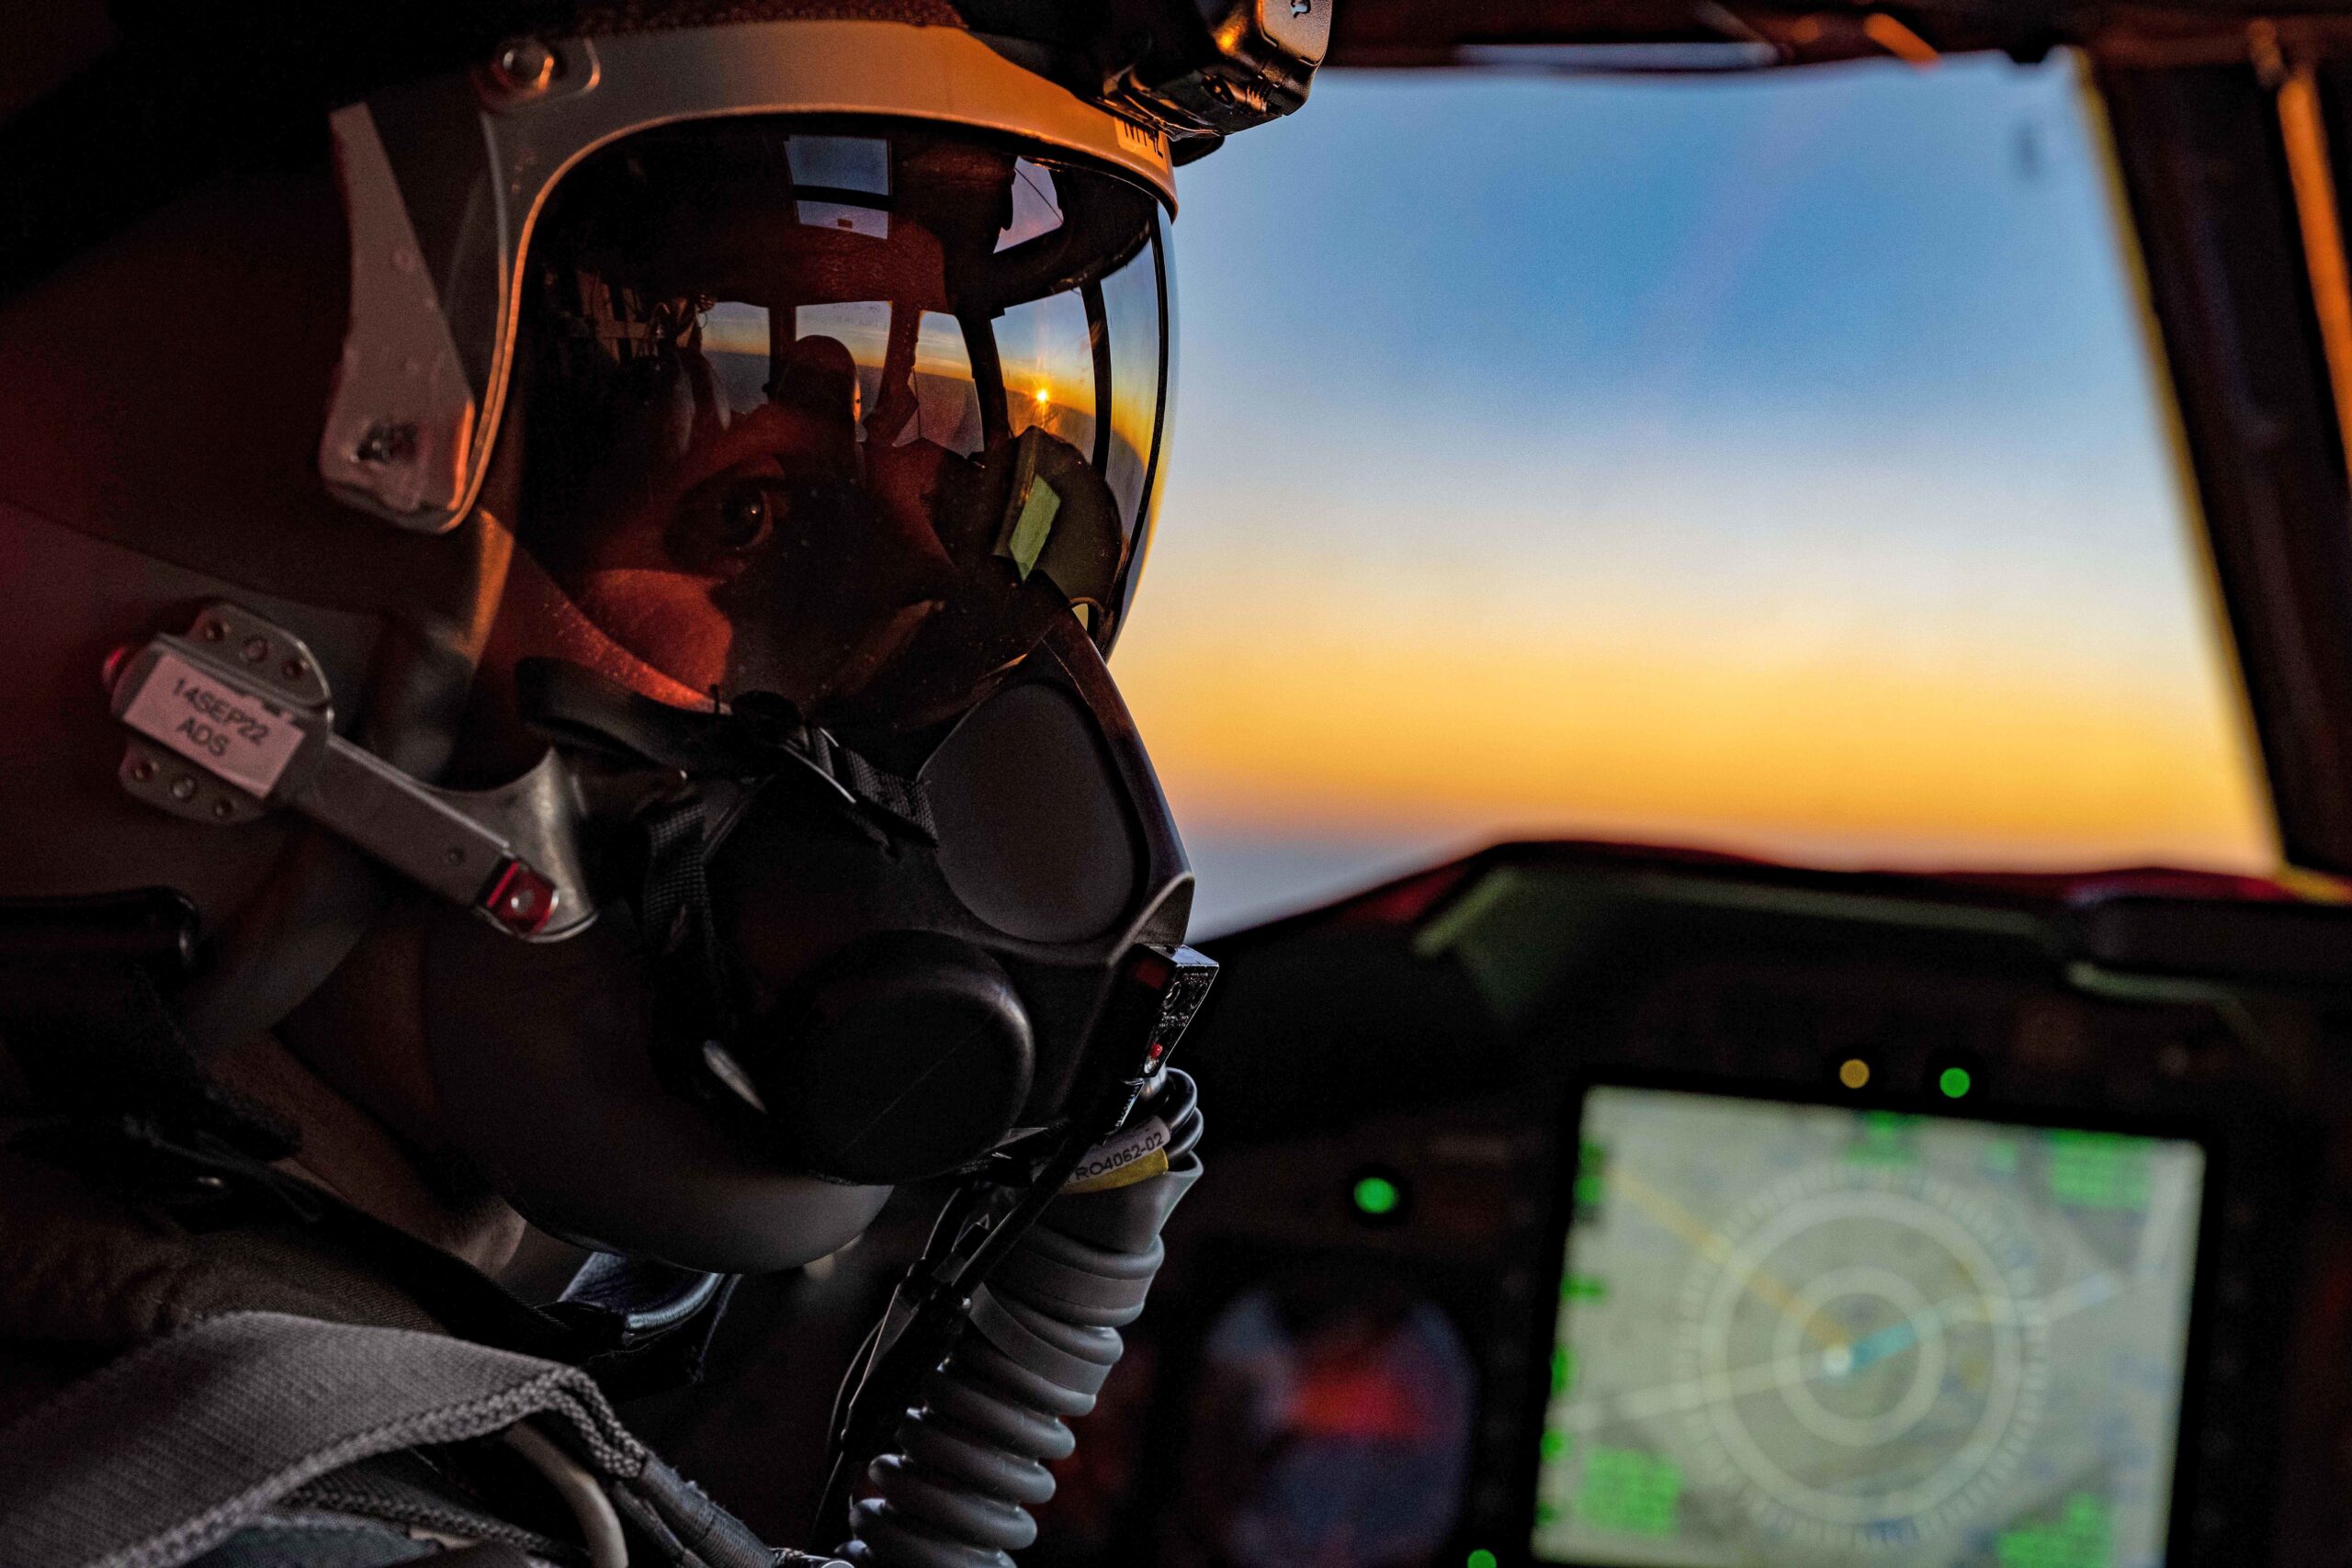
(902, 798)
(693, 996)
(763, 735)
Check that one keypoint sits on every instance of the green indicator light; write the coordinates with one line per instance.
(1481, 1557)
(1954, 1082)
(1376, 1196)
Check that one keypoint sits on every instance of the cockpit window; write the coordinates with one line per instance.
(1774, 464)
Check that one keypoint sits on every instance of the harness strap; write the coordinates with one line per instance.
(171, 1449)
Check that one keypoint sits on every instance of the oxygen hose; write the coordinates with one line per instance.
(969, 1458)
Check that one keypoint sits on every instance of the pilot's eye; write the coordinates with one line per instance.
(719, 525)
(744, 517)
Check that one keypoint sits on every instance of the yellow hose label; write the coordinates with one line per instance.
(1137, 1154)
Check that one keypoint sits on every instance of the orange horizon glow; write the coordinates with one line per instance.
(1379, 709)
(1898, 769)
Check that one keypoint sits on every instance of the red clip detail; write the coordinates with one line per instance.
(520, 899)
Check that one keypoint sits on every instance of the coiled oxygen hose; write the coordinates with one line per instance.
(969, 1460)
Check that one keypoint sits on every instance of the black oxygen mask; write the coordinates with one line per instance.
(910, 994)
(828, 978)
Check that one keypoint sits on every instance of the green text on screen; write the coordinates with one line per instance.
(1804, 1334)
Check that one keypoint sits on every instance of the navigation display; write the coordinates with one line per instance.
(1806, 1335)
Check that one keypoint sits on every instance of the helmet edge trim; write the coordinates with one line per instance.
(412, 446)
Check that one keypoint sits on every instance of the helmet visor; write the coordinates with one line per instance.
(847, 410)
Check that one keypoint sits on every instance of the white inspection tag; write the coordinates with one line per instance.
(228, 733)
(1137, 1154)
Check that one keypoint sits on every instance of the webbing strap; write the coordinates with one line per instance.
(761, 737)
(903, 798)
(175, 1446)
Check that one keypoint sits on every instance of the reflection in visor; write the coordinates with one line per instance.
(1046, 351)
(848, 417)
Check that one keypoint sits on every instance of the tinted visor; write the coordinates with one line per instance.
(846, 412)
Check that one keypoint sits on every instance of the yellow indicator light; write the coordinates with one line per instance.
(1853, 1072)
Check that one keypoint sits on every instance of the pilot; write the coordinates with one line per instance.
(558, 569)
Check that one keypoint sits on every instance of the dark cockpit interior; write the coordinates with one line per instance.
(1585, 1204)
(1779, 1104)
(1588, 1205)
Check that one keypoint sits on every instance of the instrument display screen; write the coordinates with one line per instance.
(1795, 1334)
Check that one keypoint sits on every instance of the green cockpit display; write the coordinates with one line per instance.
(1806, 1334)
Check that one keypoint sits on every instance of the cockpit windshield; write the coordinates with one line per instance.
(1773, 463)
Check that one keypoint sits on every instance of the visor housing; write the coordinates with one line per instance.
(443, 182)
(842, 410)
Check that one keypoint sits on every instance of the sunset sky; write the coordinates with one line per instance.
(1768, 463)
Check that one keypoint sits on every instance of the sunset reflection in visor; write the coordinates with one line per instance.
(843, 411)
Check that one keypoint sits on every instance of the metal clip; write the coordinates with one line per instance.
(1191, 972)
(234, 721)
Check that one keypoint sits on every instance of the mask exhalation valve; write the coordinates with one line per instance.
(909, 1051)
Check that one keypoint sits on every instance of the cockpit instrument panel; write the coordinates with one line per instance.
(1586, 1206)
(1801, 1334)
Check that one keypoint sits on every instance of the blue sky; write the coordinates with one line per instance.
(1736, 461)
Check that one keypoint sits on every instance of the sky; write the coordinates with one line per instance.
(1770, 463)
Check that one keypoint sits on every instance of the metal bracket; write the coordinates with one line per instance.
(234, 721)
(401, 432)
